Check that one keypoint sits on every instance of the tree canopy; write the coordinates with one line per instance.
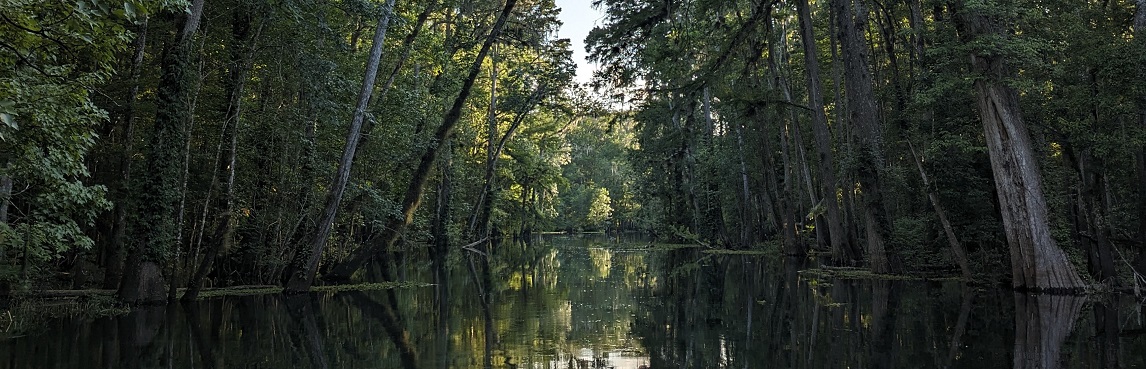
(151, 145)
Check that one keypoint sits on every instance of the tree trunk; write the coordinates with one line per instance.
(786, 196)
(823, 137)
(847, 198)
(407, 47)
(916, 22)
(479, 222)
(409, 42)
(1090, 214)
(489, 190)
(115, 254)
(442, 217)
(159, 192)
(1037, 263)
(308, 255)
(863, 117)
(888, 31)
(747, 221)
(957, 249)
(241, 59)
(413, 197)
(5, 197)
(1140, 43)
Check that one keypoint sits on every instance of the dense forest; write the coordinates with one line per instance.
(149, 146)
(898, 136)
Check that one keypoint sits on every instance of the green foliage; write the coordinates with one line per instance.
(710, 139)
(598, 192)
(56, 53)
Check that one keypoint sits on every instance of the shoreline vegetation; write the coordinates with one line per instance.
(209, 293)
(154, 147)
(37, 306)
(23, 310)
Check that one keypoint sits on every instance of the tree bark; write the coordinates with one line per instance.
(413, 197)
(409, 42)
(1037, 263)
(823, 136)
(241, 58)
(159, 192)
(1140, 44)
(407, 47)
(957, 249)
(1090, 214)
(5, 197)
(442, 217)
(791, 152)
(308, 255)
(489, 190)
(888, 31)
(115, 255)
(863, 116)
(479, 222)
(747, 221)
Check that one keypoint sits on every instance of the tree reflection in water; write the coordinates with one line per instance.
(1042, 324)
(585, 302)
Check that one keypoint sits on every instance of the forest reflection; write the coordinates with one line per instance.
(593, 302)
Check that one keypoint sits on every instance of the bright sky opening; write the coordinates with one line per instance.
(578, 18)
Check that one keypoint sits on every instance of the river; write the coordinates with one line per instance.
(593, 302)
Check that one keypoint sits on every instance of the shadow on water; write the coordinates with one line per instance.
(590, 302)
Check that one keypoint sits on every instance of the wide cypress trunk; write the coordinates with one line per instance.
(159, 191)
(413, 197)
(823, 136)
(1037, 263)
(866, 130)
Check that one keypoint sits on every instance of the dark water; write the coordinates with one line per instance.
(587, 302)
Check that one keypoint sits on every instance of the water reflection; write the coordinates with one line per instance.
(1042, 324)
(585, 302)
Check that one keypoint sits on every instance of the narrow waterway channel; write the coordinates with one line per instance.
(594, 302)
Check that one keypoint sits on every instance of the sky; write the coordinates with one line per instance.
(578, 17)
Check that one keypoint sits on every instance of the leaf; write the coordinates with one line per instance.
(9, 120)
(131, 10)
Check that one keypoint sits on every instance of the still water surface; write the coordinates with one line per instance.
(592, 302)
